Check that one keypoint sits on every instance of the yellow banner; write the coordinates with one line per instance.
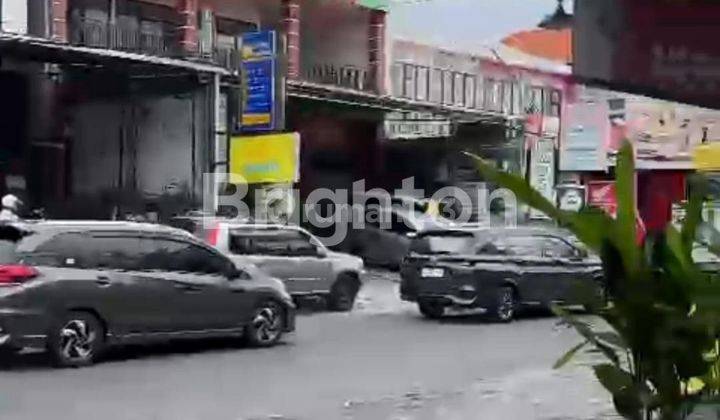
(706, 157)
(271, 158)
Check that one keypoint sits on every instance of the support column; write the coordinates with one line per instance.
(291, 30)
(59, 24)
(188, 9)
(376, 49)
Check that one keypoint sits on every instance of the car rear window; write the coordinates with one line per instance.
(444, 242)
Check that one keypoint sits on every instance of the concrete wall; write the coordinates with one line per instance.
(333, 33)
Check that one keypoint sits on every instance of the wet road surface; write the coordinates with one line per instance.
(383, 361)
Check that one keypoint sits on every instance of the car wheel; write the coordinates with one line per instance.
(76, 340)
(432, 310)
(266, 326)
(342, 295)
(504, 305)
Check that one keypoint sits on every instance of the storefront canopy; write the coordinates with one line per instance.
(44, 50)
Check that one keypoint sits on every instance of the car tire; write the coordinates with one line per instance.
(342, 294)
(431, 310)
(266, 325)
(76, 340)
(504, 305)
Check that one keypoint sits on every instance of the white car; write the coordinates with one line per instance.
(289, 253)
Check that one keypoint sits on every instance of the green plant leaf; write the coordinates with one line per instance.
(627, 395)
(625, 189)
(613, 378)
(587, 333)
(517, 185)
(612, 338)
(562, 361)
(591, 226)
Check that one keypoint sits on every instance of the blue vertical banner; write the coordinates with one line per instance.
(259, 53)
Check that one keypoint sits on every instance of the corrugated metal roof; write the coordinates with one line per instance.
(24, 45)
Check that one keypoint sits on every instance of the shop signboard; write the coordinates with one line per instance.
(414, 125)
(259, 79)
(270, 158)
(586, 131)
(542, 172)
(571, 197)
(706, 157)
(603, 195)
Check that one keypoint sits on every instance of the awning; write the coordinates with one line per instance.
(337, 94)
(44, 50)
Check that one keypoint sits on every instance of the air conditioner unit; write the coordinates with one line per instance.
(14, 16)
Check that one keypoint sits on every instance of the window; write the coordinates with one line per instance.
(507, 99)
(555, 103)
(493, 95)
(534, 104)
(408, 81)
(447, 87)
(479, 93)
(459, 89)
(526, 246)
(469, 91)
(436, 86)
(422, 91)
(557, 248)
(271, 242)
(516, 99)
(174, 255)
(65, 249)
(117, 252)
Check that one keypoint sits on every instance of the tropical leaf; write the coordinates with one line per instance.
(591, 226)
(628, 396)
(626, 221)
(562, 361)
(587, 333)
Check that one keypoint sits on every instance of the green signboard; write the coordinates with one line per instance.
(375, 4)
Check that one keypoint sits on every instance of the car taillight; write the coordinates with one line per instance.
(13, 274)
(212, 235)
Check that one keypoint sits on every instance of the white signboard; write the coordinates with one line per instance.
(542, 172)
(415, 125)
(571, 197)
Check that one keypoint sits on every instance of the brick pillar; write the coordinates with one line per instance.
(376, 49)
(59, 25)
(291, 30)
(188, 9)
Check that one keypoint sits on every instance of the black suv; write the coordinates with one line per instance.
(77, 287)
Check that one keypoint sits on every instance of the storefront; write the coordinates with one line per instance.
(102, 133)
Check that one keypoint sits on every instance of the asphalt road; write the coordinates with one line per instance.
(383, 361)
